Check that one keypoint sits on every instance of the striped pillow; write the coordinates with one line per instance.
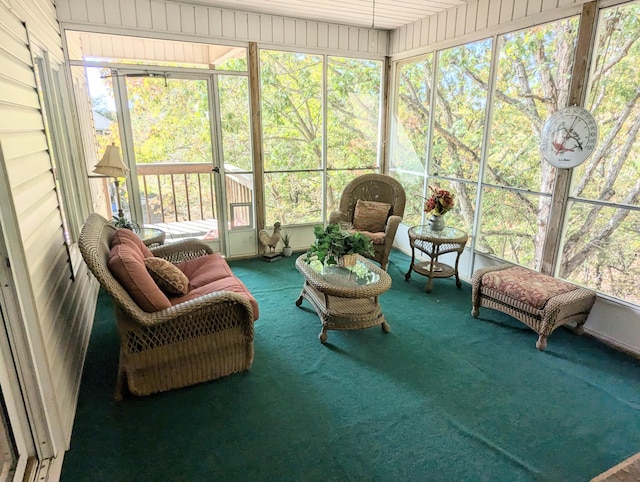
(371, 216)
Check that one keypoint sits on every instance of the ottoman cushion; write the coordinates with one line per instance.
(526, 286)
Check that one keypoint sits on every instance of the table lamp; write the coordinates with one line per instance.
(111, 165)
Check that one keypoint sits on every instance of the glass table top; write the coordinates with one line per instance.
(446, 233)
(360, 274)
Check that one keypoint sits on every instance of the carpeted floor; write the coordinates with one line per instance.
(443, 396)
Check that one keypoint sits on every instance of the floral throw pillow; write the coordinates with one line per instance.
(371, 216)
(167, 276)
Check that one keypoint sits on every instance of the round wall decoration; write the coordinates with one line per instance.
(569, 137)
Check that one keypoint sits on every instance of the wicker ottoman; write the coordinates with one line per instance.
(539, 301)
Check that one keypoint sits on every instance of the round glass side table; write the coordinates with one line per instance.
(433, 244)
(151, 236)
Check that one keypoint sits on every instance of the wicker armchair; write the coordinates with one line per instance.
(380, 188)
(190, 342)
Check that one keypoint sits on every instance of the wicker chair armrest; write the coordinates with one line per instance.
(200, 307)
(336, 217)
(182, 250)
(391, 228)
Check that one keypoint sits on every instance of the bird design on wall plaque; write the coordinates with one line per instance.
(270, 240)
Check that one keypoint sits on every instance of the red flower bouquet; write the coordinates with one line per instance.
(440, 202)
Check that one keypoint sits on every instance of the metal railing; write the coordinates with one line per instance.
(186, 192)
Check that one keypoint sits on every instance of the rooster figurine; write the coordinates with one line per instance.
(270, 240)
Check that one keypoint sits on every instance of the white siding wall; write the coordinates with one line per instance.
(179, 21)
(475, 20)
(58, 311)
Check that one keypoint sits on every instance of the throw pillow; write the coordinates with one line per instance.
(371, 216)
(126, 236)
(167, 276)
(127, 265)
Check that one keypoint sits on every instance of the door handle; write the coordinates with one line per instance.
(216, 169)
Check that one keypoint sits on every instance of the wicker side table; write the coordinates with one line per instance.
(433, 244)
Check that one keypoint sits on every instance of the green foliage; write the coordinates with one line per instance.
(122, 222)
(292, 120)
(286, 240)
(332, 243)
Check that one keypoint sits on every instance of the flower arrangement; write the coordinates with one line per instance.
(440, 202)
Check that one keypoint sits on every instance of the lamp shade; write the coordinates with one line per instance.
(111, 163)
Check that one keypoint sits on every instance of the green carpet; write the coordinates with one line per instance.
(443, 396)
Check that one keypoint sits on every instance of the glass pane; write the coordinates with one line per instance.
(414, 187)
(293, 197)
(239, 189)
(353, 112)
(509, 226)
(601, 244)
(291, 110)
(532, 82)
(463, 77)
(235, 122)
(187, 196)
(172, 146)
(103, 107)
(599, 256)
(411, 118)
(612, 172)
(105, 122)
(169, 119)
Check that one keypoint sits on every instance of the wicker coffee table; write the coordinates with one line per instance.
(344, 298)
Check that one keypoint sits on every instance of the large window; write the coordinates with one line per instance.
(410, 128)
(308, 160)
(532, 82)
(602, 238)
(443, 135)
(441, 147)
(292, 136)
(462, 76)
(353, 122)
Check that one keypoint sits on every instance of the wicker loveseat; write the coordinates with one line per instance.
(169, 342)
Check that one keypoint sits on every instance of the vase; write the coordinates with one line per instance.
(436, 223)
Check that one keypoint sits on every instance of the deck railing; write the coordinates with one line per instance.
(186, 191)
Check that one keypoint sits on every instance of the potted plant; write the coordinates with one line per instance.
(286, 239)
(332, 245)
(122, 222)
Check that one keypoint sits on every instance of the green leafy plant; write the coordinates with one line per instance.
(332, 243)
(122, 222)
(286, 240)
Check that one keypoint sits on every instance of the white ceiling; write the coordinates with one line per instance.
(381, 14)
